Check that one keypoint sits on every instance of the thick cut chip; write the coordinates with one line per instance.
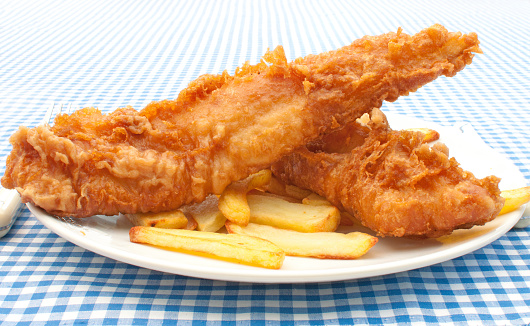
(239, 248)
(316, 200)
(276, 186)
(233, 200)
(192, 224)
(296, 192)
(167, 220)
(207, 214)
(330, 245)
(514, 198)
(283, 214)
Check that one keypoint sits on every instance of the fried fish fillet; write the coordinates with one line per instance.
(392, 181)
(221, 128)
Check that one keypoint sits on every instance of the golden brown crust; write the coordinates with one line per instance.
(221, 128)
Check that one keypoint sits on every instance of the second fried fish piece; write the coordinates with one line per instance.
(392, 181)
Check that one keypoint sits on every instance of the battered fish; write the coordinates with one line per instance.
(221, 128)
(392, 181)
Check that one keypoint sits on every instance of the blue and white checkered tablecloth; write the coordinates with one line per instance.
(115, 53)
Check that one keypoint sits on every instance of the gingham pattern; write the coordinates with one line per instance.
(116, 53)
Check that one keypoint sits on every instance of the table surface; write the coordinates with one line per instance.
(115, 53)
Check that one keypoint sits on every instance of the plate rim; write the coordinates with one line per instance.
(277, 276)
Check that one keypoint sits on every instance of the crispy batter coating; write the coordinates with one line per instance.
(392, 182)
(221, 128)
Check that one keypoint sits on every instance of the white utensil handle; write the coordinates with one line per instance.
(525, 220)
(9, 207)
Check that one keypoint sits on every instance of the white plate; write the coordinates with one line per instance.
(108, 236)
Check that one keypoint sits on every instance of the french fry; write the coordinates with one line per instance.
(233, 200)
(296, 192)
(316, 200)
(329, 245)
(192, 224)
(283, 214)
(233, 247)
(430, 134)
(514, 198)
(275, 186)
(265, 193)
(207, 214)
(278, 187)
(167, 220)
